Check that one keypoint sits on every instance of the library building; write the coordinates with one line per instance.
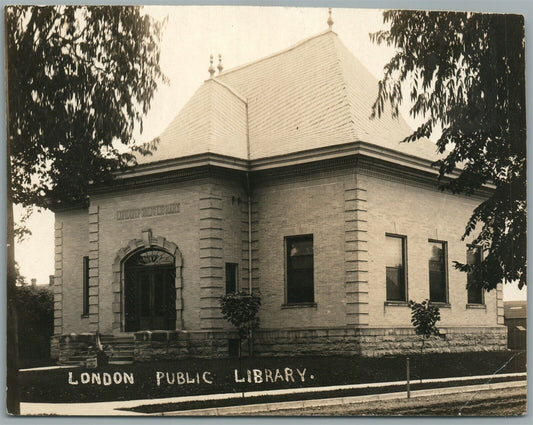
(273, 179)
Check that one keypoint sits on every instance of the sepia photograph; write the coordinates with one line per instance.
(265, 211)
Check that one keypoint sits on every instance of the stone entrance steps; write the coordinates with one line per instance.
(78, 360)
(120, 350)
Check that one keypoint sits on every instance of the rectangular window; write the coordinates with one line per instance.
(85, 286)
(300, 270)
(395, 263)
(231, 278)
(473, 257)
(437, 272)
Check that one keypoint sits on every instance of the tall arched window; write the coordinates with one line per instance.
(149, 291)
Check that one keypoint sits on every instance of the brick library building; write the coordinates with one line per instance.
(273, 179)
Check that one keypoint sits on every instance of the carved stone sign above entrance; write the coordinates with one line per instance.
(152, 211)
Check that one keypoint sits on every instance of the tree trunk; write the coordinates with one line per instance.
(422, 359)
(12, 382)
(250, 343)
(13, 400)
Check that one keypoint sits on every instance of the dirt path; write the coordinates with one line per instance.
(503, 402)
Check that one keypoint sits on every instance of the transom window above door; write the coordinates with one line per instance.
(151, 257)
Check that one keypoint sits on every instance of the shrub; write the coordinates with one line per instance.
(424, 317)
(240, 309)
(35, 307)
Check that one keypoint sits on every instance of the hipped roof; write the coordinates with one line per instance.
(315, 94)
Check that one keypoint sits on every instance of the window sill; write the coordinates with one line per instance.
(477, 306)
(300, 305)
(84, 316)
(440, 304)
(396, 303)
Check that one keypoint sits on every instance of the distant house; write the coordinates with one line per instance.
(515, 318)
(274, 179)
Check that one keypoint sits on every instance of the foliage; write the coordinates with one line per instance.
(79, 79)
(35, 307)
(466, 75)
(240, 309)
(21, 229)
(424, 317)
(19, 280)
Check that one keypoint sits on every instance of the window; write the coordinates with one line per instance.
(300, 271)
(437, 272)
(231, 278)
(475, 293)
(395, 263)
(85, 308)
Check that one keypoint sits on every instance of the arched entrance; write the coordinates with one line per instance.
(149, 290)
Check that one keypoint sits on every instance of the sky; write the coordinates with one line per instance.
(241, 35)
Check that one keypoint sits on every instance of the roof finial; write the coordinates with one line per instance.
(220, 67)
(330, 21)
(211, 67)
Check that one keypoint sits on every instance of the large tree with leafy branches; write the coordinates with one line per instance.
(465, 76)
(79, 80)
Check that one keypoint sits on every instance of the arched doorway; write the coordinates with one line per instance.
(149, 290)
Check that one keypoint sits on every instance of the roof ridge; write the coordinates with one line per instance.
(305, 40)
(210, 121)
(340, 45)
(337, 42)
(230, 89)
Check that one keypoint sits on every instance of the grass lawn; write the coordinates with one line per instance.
(487, 403)
(211, 376)
(191, 405)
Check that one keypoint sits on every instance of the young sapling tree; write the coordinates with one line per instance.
(424, 317)
(240, 309)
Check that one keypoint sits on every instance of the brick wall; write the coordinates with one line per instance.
(207, 231)
(72, 244)
(420, 212)
(349, 212)
(180, 229)
(297, 206)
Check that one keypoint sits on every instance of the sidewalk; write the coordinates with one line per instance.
(112, 408)
(340, 401)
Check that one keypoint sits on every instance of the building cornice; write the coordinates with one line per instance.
(138, 181)
(297, 158)
(188, 162)
(369, 156)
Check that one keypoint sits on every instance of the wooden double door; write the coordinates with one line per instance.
(150, 296)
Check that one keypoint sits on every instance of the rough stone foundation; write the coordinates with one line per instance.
(377, 342)
(166, 345)
(368, 342)
(71, 345)
(382, 342)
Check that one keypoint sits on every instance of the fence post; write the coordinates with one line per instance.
(408, 383)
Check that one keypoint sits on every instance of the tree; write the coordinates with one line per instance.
(79, 78)
(240, 309)
(424, 318)
(36, 314)
(465, 73)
